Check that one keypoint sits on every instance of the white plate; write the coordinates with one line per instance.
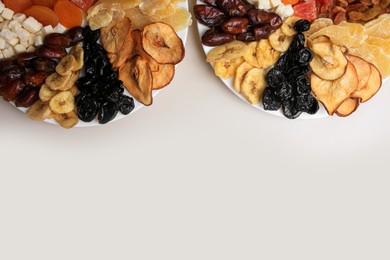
(229, 83)
(182, 34)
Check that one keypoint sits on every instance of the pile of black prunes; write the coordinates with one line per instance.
(101, 92)
(288, 82)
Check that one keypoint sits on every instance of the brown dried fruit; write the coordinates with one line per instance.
(113, 36)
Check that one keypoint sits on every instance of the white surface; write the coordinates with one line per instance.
(198, 175)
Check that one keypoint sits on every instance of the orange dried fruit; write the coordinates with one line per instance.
(68, 13)
(47, 3)
(43, 14)
(18, 6)
(348, 107)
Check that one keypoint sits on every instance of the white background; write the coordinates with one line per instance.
(198, 175)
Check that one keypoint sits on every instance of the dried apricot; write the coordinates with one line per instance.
(43, 14)
(68, 13)
(47, 3)
(18, 6)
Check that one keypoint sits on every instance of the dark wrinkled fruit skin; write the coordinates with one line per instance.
(107, 112)
(47, 52)
(210, 2)
(57, 41)
(25, 59)
(235, 25)
(258, 17)
(246, 37)
(213, 38)
(209, 15)
(11, 73)
(75, 34)
(232, 7)
(44, 64)
(288, 82)
(101, 92)
(270, 100)
(302, 25)
(28, 97)
(275, 21)
(262, 32)
(35, 78)
(11, 91)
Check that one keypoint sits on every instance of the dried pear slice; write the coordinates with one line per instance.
(137, 79)
(329, 62)
(227, 69)
(113, 35)
(162, 43)
(153, 65)
(253, 85)
(332, 93)
(240, 74)
(119, 58)
(373, 85)
(348, 107)
(317, 25)
(163, 76)
(228, 51)
(363, 69)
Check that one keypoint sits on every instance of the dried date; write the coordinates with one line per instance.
(258, 17)
(215, 38)
(246, 37)
(235, 25)
(209, 15)
(27, 97)
(11, 91)
(232, 7)
(262, 32)
(47, 52)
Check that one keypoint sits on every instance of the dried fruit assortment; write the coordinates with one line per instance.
(68, 73)
(321, 58)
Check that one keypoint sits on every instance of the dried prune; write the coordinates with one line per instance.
(89, 35)
(303, 57)
(209, 15)
(270, 100)
(126, 104)
(297, 43)
(302, 25)
(290, 108)
(285, 91)
(107, 112)
(87, 109)
(303, 85)
(275, 78)
(308, 104)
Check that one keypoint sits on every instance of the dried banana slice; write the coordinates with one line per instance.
(67, 120)
(227, 69)
(62, 103)
(228, 51)
(66, 65)
(78, 53)
(46, 93)
(253, 85)
(39, 111)
(240, 74)
(287, 27)
(266, 54)
(74, 90)
(56, 81)
(280, 41)
(251, 55)
(162, 43)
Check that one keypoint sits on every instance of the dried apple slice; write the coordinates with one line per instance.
(373, 85)
(348, 107)
(113, 36)
(163, 76)
(332, 93)
(161, 42)
(329, 62)
(137, 79)
(363, 69)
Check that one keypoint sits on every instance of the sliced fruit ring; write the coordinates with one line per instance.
(161, 42)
